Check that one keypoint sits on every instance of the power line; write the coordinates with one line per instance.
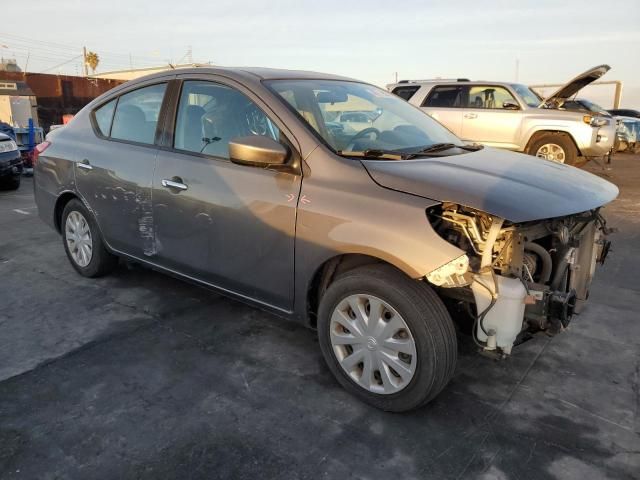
(61, 54)
(61, 64)
(25, 42)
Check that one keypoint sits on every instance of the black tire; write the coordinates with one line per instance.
(102, 262)
(425, 315)
(11, 183)
(560, 139)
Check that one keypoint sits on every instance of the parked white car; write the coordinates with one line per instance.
(514, 117)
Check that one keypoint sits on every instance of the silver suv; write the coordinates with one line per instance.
(512, 116)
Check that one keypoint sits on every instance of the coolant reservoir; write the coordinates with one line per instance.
(507, 315)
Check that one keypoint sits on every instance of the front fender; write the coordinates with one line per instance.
(343, 211)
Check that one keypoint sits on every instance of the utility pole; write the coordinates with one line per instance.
(517, 68)
(84, 61)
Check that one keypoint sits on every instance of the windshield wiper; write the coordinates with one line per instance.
(440, 147)
(374, 153)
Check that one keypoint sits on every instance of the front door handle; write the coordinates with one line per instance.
(85, 164)
(470, 115)
(175, 183)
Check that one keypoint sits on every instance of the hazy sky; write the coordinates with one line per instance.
(368, 40)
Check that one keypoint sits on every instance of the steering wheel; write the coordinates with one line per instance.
(256, 120)
(362, 133)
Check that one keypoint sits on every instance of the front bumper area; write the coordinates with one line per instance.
(508, 306)
(11, 164)
(596, 142)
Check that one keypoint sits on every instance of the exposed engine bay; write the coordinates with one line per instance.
(522, 277)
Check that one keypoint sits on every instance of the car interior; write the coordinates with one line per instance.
(210, 115)
(352, 121)
(130, 123)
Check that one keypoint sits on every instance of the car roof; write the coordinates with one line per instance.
(447, 81)
(250, 73)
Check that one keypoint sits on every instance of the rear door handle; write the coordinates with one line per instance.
(470, 115)
(175, 183)
(85, 164)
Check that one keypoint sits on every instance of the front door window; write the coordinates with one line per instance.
(210, 115)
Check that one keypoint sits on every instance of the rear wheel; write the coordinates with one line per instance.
(82, 242)
(556, 147)
(386, 338)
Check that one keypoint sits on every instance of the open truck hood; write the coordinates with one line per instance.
(513, 186)
(578, 83)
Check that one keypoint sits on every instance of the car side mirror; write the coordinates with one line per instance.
(509, 105)
(257, 151)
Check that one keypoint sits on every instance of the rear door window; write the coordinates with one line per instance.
(136, 117)
(406, 91)
(103, 116)
(444, 96)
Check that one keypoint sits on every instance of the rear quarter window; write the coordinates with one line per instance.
(103, 117)
(406, 92)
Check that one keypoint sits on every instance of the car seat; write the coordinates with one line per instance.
(130, 123)
(193, 132)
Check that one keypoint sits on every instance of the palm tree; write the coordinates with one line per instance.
(92, 59)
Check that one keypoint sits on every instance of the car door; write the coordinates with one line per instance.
(230, 225)
(114, 171)
(443, 103)
(492, 116)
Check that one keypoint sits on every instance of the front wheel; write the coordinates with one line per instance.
(82, 242)
(555, 147)
(387, 339)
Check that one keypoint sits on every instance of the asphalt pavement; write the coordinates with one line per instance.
(138, 375)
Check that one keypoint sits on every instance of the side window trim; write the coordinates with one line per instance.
(113, 115)
(172, 96)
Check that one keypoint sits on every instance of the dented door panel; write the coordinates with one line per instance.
(118, 190)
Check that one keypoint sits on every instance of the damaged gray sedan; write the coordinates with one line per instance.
(331, 202)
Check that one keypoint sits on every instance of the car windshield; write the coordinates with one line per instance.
(362, 119)
(593, 107)
(529, 97)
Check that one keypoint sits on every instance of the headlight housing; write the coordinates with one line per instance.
(452, 274)
(595, 121)
(8, 146)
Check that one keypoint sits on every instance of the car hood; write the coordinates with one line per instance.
(572, 87)
(513, 186)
